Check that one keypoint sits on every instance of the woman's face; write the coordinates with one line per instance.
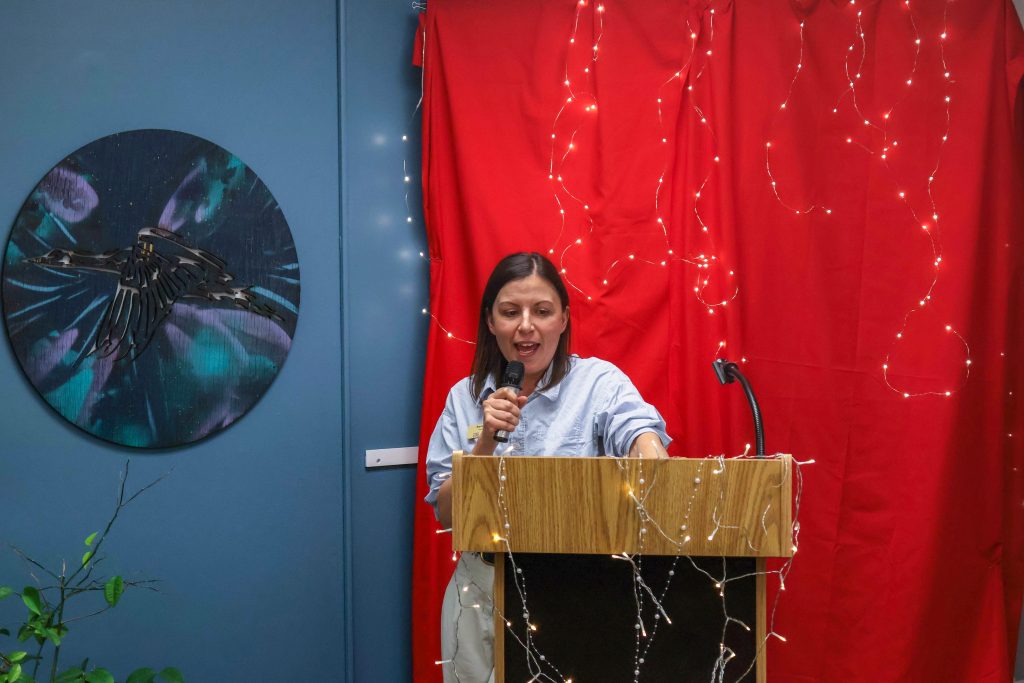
(527, 319)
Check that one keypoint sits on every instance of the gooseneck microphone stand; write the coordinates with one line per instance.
(727, 374)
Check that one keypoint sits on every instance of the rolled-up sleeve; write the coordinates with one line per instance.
(443, 442)
(624, 415)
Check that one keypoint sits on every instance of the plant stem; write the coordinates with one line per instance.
(21, 553)
(39, 659)
(103, 536)
(86, 616)
(60, 618)
(121, 504)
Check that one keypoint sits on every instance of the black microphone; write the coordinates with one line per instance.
(728, 373)
(513, 377)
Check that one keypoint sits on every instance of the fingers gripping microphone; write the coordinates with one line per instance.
(513, 378)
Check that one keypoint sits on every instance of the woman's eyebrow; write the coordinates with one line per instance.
(513, 302)
(516, 302)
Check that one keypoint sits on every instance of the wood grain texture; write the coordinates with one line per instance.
(735, 508)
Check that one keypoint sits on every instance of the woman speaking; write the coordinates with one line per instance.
(566, 405)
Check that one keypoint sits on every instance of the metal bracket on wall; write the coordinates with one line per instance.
(390, 457)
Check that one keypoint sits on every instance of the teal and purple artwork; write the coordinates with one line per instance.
(151, 288)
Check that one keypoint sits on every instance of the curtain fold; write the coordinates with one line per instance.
(859, 248)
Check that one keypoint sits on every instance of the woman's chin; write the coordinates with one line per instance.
(535, 367)
(534, 363)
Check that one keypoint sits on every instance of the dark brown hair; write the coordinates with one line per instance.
(488, 360)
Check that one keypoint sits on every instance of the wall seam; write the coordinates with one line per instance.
(348, 665)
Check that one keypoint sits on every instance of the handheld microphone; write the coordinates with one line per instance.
(513, 378)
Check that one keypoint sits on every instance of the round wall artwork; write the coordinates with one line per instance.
(151, 288)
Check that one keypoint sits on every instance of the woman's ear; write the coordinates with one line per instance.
(490, 322)
(565, 318)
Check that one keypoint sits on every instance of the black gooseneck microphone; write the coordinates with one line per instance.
(513, 377)
(727, 373)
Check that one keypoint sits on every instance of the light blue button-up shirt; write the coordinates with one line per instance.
(594, 410)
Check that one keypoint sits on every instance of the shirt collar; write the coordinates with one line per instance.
(550, 393)
(490, 386)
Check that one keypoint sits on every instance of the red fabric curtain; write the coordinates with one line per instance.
(867, 223)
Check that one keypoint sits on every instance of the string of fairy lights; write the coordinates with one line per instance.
(407, 173)
(642, 642)
(883, 150)
(541, 667)
(581, 98)
(931, 229)
(577, 97)
(808, 208)
(683, 82)
(929, 224)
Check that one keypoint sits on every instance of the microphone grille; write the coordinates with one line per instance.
(514, 373)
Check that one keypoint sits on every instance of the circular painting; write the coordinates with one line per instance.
(151, 288)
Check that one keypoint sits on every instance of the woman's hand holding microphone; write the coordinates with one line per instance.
(501, 410)
(501, 414)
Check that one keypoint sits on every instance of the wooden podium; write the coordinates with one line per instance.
(704, 508)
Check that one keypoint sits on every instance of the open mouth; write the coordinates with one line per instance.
(526, 349)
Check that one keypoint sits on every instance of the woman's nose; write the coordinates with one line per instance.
(526, 322)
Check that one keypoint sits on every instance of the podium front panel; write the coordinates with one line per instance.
(583, 619)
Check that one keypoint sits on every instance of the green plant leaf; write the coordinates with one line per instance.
(4, 632)
(71, 675)
(90, 538)
(15, 673)
(33, 627)
(113, 590)
(86, 557)
(171, 675)
(141, 676)
(30, 596)
(53, 634)
(5, 591)
(17, 656)
(99, 676)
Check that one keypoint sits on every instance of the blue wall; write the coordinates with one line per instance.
(281, 558)
(385, 285)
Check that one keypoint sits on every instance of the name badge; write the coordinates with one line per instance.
(474, 431)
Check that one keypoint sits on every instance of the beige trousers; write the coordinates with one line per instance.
(467, 623)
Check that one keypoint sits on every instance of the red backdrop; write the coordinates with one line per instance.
(911, 559)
